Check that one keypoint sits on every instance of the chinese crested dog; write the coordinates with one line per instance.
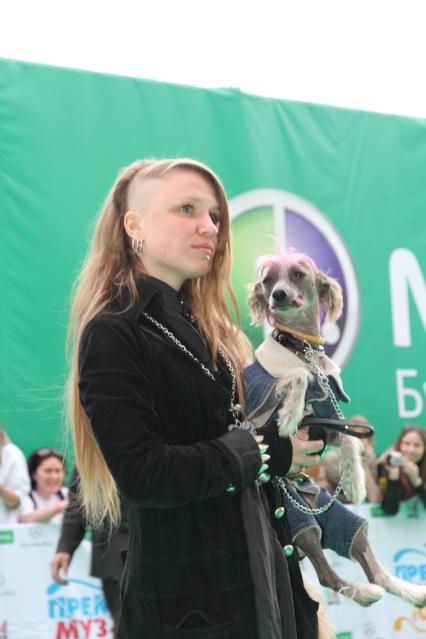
(294, 381)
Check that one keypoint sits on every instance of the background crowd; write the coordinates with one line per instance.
(33, 489)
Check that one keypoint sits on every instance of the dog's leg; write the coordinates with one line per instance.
(361, 552)
(352, 469)
(364, 594)
(291, 389)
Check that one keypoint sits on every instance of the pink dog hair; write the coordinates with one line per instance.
(284, 260)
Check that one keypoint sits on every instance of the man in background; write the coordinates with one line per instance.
(106, 563)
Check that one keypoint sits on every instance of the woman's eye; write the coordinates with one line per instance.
(186, 208)
(215, 218)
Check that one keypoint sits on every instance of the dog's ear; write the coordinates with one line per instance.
(257, 303)
(329, 295)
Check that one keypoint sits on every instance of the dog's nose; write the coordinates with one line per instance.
(279, 295)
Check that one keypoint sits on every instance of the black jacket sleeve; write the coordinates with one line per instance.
(117, 395)
(280, 449)
(73, 523)
(392, 496)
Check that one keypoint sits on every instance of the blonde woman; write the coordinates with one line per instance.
(155, 384)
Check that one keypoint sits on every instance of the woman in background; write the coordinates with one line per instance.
(48, 496)
(402, 470)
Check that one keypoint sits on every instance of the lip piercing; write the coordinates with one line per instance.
(208, 257)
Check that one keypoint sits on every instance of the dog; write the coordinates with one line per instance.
(293, 380)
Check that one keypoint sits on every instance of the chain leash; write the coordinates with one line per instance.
(322, 379)
(306, 509)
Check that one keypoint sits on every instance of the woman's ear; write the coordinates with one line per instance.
(256, 303)
(329, 295)
(133, 225)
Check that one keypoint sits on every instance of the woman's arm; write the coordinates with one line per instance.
(392, 490)
(118, 397)
(412, 471)
(10, 498)
(43, 515)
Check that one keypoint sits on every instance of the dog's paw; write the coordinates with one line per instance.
(355, 492)
(291, 391)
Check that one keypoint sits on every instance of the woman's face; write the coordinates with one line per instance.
(49, 476)
(180, 218)
(412, 447)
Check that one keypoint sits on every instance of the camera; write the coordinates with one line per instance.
(396, 459)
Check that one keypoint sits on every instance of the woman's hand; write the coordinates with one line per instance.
(60, 563)
(59, 506)
(304, 451)
(10, 498)
(412, 471)
(393, 472)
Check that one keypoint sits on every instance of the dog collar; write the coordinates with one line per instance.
(312, 339)
(298, 346)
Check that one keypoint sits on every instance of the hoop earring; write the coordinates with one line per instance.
(137, 246)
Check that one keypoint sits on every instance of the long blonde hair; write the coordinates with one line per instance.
(109, 271)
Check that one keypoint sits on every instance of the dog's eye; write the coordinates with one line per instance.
(267, 280)
(299, 274)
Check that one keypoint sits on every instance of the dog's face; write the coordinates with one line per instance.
(291, 291)
(287, 290)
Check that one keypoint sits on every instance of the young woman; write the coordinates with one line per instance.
(48, 496)
(154, 386)
(403, 475)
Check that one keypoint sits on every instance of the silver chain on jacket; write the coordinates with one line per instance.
(234, 409)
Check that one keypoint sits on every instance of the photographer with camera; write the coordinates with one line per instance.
(402, 470)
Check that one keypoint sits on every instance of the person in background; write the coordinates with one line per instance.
(48, 495)
(402, 469)
(14, 479)
(106, 562)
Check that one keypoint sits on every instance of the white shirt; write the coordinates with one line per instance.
(28, 506)
(13, 475)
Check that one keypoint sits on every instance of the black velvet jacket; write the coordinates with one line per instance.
(162, 426)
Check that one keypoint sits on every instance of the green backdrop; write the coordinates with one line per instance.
(64, 134)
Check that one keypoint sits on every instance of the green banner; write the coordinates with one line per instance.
(347, 187)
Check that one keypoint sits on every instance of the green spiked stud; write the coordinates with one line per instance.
(264, 477)
(279, 512)
(288, 550)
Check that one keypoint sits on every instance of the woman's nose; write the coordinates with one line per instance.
(207, 226)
